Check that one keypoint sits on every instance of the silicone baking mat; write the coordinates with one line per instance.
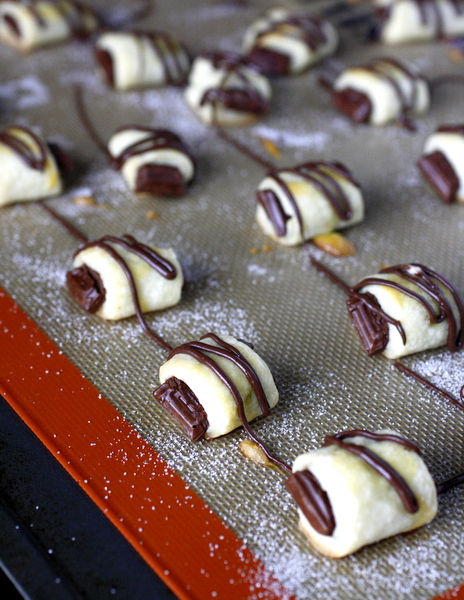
(239, 283)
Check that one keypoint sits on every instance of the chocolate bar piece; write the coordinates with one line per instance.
(353, 104)
(371, 328)
(442, 162)
(180, 402)
(440, 174)
(285, 42)
(269, 62)
(359, 488)
(86, 288)
(160, 180)
(227, 89)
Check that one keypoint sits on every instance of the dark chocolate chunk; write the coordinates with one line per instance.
(86, 288)
(160, 180)
(353, 104)
(178, 399)
(271, 204)
(105, 60)
(370, 326)
(269, 62)
(12, 24)
(440, 174)
(312, 500)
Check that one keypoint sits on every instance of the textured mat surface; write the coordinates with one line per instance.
(241, 283)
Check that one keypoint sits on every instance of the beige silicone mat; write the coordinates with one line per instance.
(241, 283)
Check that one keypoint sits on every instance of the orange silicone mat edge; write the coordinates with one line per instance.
(170, 526)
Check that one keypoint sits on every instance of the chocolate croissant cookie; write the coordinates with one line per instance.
(406, 309)
(227, 89)
(214, 385)
(153, 161)
(442, 163)
(296, 204)
(116, 278)
(27, 25)
(380, 92)
(282, 42)
(29, 166)
(359, 488)
(406, 21)
(129, 60)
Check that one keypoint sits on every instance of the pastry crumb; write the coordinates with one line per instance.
(252, 451)
(270, 147)
(335, 244)
(84, 201)
(152, 215)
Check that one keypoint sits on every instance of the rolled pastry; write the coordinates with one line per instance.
(297, 204)
(29, 25)
(213, 386)
(382, 91)
(129, 60)
(405, 21)
(406, 309)
(282, 42)
(226, 89)
(28, 168)
(153, 161)
(114, 277)
(359, 488)
(442, 163)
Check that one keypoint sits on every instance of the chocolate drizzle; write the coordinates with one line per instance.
(430, 14)
(318, 175)
(165, 48)
(403, 490)
(454, 401)
(305, 27)
(150, 178)
(313, 500)
(73, 12)
(156, 139)
(155, 260)
(33, 159)
(357, 105)
(200, 351)
(246, 98)
(367, 315)
(428, 281)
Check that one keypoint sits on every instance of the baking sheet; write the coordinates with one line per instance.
(295, 317)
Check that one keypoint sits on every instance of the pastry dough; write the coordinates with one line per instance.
(131, 60)
(442, 162)
(359, 504)
(30, 25)
(226, 89)
(204, 383)
(383, 91)
(152, 160)
(28, 169)
(284, 42)
(405, 21)
(294, 205)
(406, 309)
(99, 281)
